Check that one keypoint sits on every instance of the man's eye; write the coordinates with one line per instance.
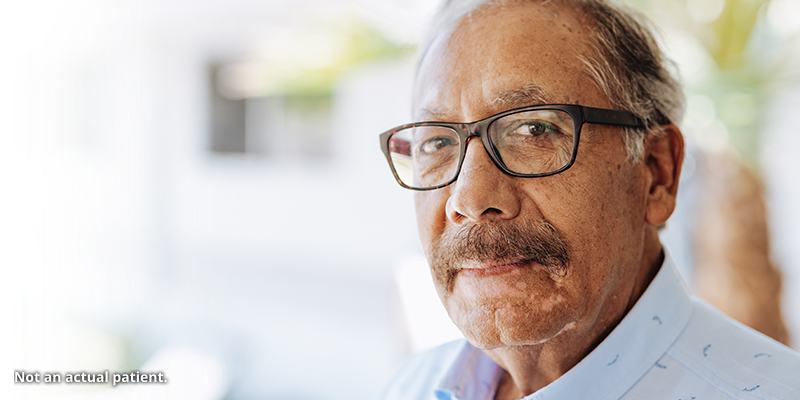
(536, 128)
(434, 144)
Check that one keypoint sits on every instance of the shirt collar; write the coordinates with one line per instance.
(473, 376)
(613, 367)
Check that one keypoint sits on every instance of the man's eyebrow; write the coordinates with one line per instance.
(525, 96)
(509, 99)
(433, 114)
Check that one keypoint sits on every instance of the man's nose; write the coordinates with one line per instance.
(482, 191)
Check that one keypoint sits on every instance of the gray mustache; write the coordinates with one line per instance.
(529, 241)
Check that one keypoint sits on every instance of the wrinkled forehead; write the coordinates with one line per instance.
(504, 56)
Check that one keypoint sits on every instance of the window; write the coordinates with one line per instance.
(280, 126)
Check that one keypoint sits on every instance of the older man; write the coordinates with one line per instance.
(538, 207)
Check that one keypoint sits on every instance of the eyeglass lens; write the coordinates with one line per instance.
(528, 142)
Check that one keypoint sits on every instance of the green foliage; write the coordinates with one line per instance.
(352, 42)
(743, 78)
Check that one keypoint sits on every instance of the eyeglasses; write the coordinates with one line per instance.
(524, 142)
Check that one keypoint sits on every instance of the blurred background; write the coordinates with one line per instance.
(196, 187)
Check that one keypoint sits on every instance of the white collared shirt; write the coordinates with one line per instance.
(669, 346)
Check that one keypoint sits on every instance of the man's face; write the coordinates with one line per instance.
(526, 260)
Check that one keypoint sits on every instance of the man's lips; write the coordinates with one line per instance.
(480, 270)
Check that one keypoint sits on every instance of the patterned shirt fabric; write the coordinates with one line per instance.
(668, 346)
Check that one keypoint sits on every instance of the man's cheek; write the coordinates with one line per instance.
(431, 217)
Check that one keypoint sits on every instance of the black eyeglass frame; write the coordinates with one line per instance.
(579, 115)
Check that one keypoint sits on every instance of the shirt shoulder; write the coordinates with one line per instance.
(421, 373)
(717, 357)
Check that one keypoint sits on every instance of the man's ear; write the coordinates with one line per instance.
(663, 158)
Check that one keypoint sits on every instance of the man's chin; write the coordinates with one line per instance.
(488, 327)
(493, 340)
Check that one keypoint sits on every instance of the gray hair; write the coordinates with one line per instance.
(624, 60)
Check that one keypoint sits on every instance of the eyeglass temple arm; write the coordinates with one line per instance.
(611, 117)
